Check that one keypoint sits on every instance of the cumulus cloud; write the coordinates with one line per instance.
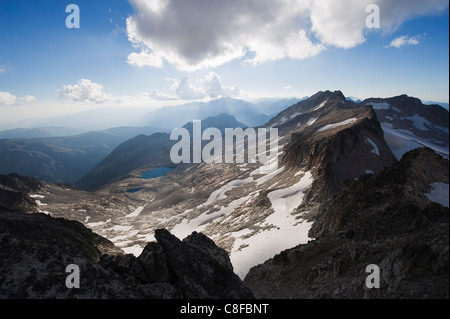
(213, 87)
(184, 89)
(27, 99)
(209, 86)
(85, 91)
(403, 40)
(7, 98)
(145, 58)
(194, 34)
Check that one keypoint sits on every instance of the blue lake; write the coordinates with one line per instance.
(156, 172)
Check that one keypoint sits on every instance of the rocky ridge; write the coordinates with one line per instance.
(384, 219)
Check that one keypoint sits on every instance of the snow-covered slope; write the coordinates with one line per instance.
(409, 124)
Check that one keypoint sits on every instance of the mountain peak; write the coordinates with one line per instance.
(339, 94)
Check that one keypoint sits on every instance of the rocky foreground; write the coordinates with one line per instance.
(36, 249)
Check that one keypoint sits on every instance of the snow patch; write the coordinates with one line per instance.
(98, 224)
(119, 228)
(37, 196)
(295, 115)
(402, 141)
(265, 169)
(311, 121)
(136, 213)
(286, 231)
(269, 176)
(333, 126)
(40, 204)
(380, 106)
(198, 224)
(439, 193)
(320, 106)
(419, 122)
(375, 149)
(126, 236)
(135, 250)
(221, 192)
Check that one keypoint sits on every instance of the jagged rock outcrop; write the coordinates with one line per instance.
(21, 183)
(338, 140)
(14, 190)
(394, 191)
(383, 219)
(201, 269)
(35, 250)
(16, 201)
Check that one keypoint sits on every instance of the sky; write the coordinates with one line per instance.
(155, 53)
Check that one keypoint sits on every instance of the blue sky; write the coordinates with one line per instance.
(151, 53)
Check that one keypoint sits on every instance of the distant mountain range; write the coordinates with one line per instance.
(55, 154)
(251, 114)
(61, 159)
(40, 132)
(444, 105)
(164, 118)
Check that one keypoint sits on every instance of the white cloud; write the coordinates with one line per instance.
(193, 34)
(198, 34)
(339, 23)
(85, 91)
(213, 87)
(7, 98)
(186, 91)
(28, 99)
(209, 86)
(154, 94)
(403, 40)
(145, 58)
